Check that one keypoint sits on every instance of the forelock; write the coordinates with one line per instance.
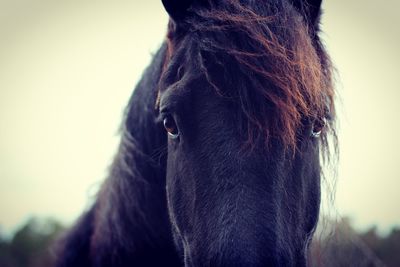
(266, 59)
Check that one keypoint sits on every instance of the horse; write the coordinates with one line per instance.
(222, 145)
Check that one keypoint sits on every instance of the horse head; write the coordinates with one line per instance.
(222, 144)
(244, 97)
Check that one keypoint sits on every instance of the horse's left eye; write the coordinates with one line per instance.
(318, 126)
(170, 127)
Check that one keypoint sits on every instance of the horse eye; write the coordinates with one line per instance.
(170, 127)
(180, 73)
(318, 126)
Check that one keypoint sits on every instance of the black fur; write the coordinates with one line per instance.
(204, 198)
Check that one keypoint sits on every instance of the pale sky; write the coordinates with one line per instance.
(67, 69)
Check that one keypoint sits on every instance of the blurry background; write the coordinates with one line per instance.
(67, 69)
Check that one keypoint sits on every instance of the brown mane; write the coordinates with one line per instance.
(285, 74)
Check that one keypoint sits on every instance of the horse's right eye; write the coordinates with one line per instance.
(171, 127)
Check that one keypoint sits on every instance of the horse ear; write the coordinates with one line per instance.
(310, 9)
(178, 10)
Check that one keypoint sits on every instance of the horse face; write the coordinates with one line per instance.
(230, 205)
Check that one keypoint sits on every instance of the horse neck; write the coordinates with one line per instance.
(131, 216)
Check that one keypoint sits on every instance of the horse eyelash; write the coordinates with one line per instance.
(160, 117)
(162, 114)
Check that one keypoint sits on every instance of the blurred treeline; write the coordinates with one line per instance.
(31, 245)
(336, 244)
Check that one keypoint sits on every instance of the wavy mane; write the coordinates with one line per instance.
(285, 75)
